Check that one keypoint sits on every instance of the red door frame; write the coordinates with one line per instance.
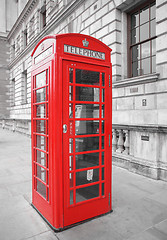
(102, 204)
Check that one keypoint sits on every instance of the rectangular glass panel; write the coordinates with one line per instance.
(153, 11)
(41, 95)
(145, 65)
(145, 49)
(103, 127)
(41, 189)
(135, 69)
(41, 142)
(86, 127)
(71, 198)
(70, 93)
(71, 145)
(87, 111)
(103, 79)
(86, 144)
(71, 177)
(71, 75)
(41, 173)
(135, 35)
(87, 77)
(153, 64)
(103, 144)
(103, 95)
(87, 94)
(144, 32)
(135, 20)
(41, 111)
(87, 160)
(87, 193)
(85, 177)
(103, 111)
(41, 158)
(102, 189)
(144, 15)
(154, 47)
(102, 159)
(102, 173)
(41, 79)
(71, 110)
(153, 28)
(41, 126)
(135, 53)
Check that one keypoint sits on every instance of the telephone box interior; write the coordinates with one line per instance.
(71, 129)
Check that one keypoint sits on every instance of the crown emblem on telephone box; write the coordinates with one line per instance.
(85, 43)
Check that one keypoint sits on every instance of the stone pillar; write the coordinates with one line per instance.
(120, 142)
(126, 143)
(114, 140)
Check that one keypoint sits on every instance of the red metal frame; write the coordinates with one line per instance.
(55, 206)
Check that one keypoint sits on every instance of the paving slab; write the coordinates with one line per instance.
(139, 203)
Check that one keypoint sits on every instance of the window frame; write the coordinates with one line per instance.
(139, 43)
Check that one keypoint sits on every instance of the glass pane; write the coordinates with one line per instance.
(153, 28)
(87, 94)
(41, 189)
(41, 142)
(87, 111)
(102, 160)
(71, 198)
(41, 95)
(86, 193)
(102, 189)
(135, 53)
(71, 177)
(135, 20)
(103, 144)
(145, 63)
(103, 95)
(154, 47)
(41, 173)
(87, 160)
(103, 127)
(144, 15)
(41, 158)
(86, 144)
(135, 69)
(71, 145)
(71, 110)
(70, 163)
(71, 75)
(86, 127)
(154, 64)
(70, 93)
(144, 32)
(40, 111)
(135, 35)
(102, 173)
(153, 11)
(103, 111)
(41, 126)
(87, 77)
(85, 177)
(145, 50)
(41, 79)
(103, 79)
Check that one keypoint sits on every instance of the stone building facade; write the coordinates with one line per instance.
(136, 31)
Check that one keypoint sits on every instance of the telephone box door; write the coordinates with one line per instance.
(86, 141)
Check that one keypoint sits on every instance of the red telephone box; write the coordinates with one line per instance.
(71, 129)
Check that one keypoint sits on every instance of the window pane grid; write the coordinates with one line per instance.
(143, 34)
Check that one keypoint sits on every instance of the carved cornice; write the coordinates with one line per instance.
(28, 7)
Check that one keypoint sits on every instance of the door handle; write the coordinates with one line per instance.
(64, 128)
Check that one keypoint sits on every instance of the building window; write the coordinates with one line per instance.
(142, 23)
(24, 87)
(25, 37)
(43, 16)
(13, 92)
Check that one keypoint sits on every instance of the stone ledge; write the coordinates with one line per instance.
(136, 80)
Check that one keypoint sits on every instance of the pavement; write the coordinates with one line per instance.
(139, 203)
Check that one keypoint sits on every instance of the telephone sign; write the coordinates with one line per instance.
(71, 129)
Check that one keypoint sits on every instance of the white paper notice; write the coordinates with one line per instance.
(90, 175)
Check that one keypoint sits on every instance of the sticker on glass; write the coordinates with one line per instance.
(90, 175)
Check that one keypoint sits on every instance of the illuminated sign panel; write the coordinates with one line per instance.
(84, 52)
